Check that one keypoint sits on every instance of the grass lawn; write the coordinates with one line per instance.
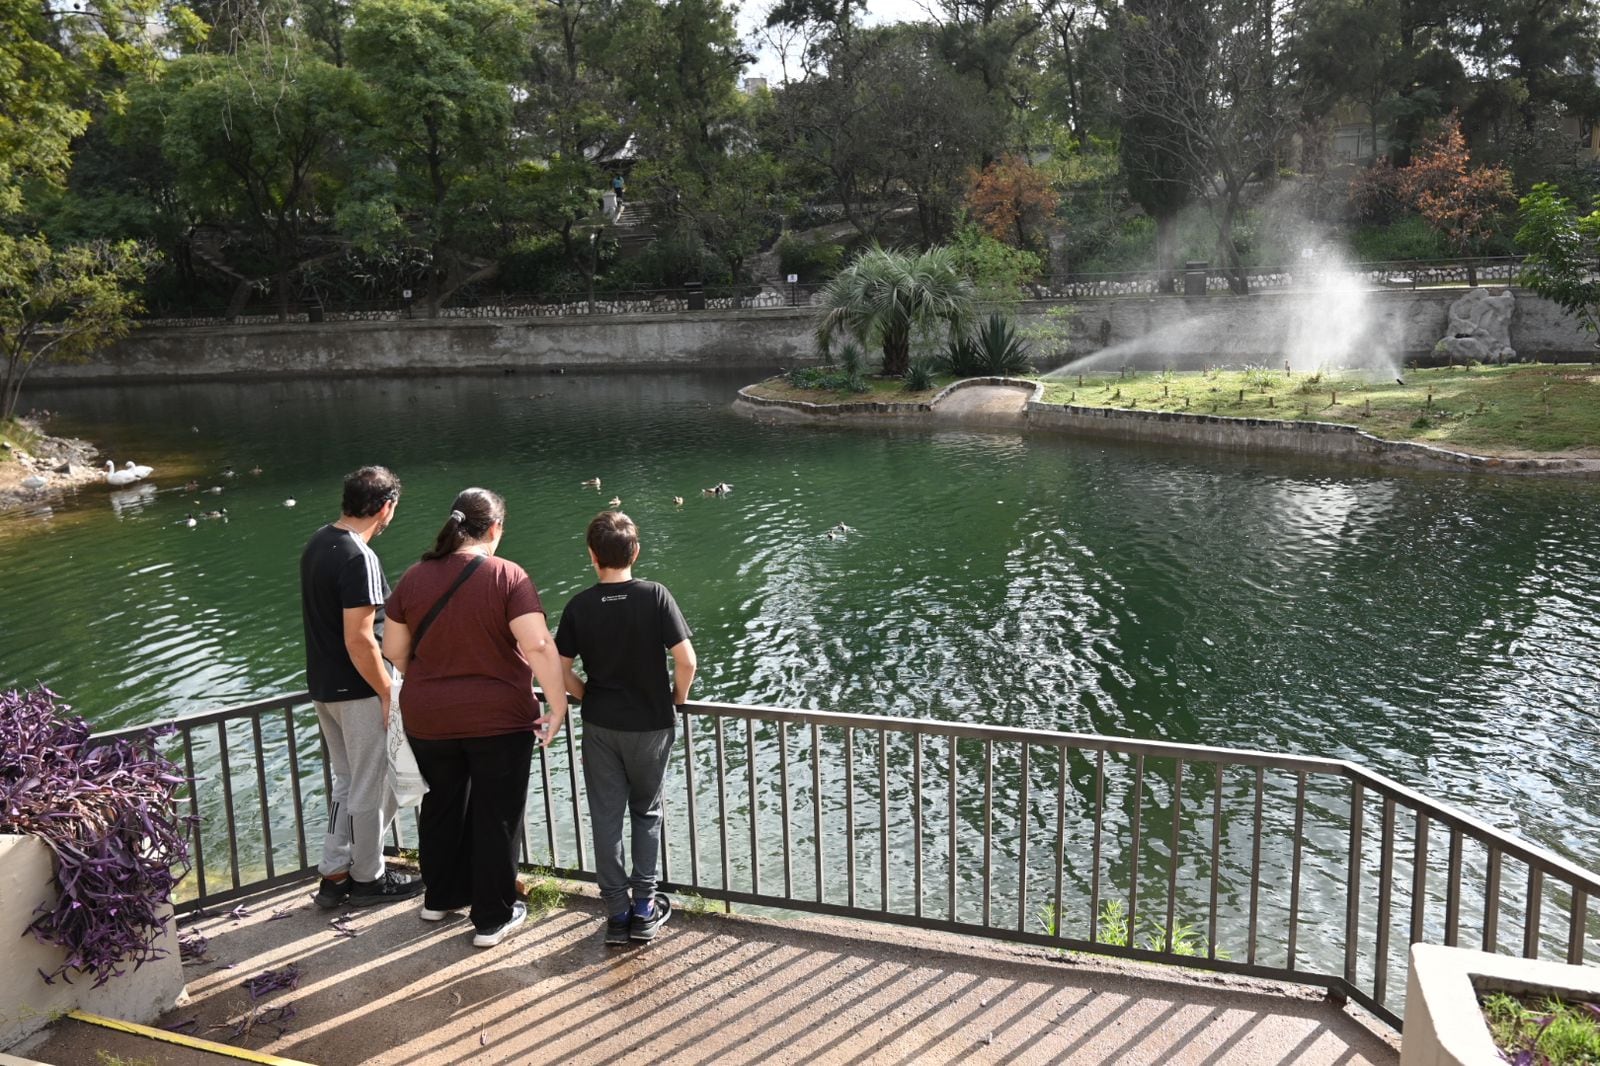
(879, 390)
(1520, 410)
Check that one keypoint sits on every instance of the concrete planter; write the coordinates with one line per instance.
(1444, 1024)
(27, 879)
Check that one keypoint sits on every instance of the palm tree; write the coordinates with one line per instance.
(886, 293)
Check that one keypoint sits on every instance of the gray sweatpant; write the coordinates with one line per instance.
(362, 804)
(623, 773)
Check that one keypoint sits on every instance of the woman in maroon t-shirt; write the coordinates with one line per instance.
(469, 710)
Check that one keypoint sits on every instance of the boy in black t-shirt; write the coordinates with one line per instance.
(620, 628)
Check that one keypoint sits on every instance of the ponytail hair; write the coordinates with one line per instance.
(471, 515)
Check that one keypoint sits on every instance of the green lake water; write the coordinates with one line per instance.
(1439, 629)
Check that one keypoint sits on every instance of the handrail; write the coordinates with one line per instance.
(1050, 828)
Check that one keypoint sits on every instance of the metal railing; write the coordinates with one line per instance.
(1305, 275)
(1279, 866)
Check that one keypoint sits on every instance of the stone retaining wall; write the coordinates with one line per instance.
(1329, 440)
(1183, 331)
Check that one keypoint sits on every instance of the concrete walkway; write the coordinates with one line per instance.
(713, 989)
(986, 405)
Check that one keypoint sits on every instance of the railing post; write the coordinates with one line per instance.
(1380, 979)
(1352, 912)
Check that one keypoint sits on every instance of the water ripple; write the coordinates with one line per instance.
(1444, 630)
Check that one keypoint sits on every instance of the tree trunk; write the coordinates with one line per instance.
(11, 390)
(1238, 279)
(1166, 251)
(897, 351)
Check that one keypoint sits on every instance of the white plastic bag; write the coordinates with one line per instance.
(405, 779)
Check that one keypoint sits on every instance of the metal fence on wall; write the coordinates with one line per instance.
(1278, 866)
(1307, 275)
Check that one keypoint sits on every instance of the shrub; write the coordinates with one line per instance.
(109, 812)
(537, 265)
(1375, 195)
(826, 379)
(960, 358)
(1262, 378)
(850, 358)
(813, 261)
(999, 350)
(919, 375)
(1409, 238)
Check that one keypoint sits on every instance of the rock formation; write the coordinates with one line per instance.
(1480, 328)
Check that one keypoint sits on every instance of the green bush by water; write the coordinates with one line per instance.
(992, 350)
(1553, 1033)
(827, 379)
(919, 375)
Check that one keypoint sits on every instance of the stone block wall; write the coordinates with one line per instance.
(1156, 331)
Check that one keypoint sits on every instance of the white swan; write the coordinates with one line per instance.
(140, 470)
(119, 477)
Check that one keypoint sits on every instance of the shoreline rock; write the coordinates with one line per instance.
(65, 464)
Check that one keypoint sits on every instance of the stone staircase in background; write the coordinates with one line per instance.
(639, 223)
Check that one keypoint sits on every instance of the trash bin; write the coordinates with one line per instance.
(314, 313)
(696, 293)
(1194, 277)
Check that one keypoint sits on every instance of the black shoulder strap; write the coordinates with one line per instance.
(427, 620)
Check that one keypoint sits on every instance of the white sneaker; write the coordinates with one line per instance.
(519, 911)
(428, 914)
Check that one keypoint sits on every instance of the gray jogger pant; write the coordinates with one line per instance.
(362, 804)
(623, 773)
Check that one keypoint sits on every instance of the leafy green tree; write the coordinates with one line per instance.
(998, 270)
(59, 64)
(254, 139)
(576, 113)
(59, 305)
(440, 79)
(885, 296)
(891, 126)
(716, 192)
(1560, 253)
(58, 68)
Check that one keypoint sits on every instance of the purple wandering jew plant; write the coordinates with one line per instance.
(109, 811)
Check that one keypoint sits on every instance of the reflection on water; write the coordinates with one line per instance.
(1439, 629)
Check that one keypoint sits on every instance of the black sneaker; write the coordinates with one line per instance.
(617, 931)
(645, 928)
(386, 889)
(331, 893)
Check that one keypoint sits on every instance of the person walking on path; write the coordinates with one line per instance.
(467, 631)
(342, 587)
(616, 187)
(623, 629)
